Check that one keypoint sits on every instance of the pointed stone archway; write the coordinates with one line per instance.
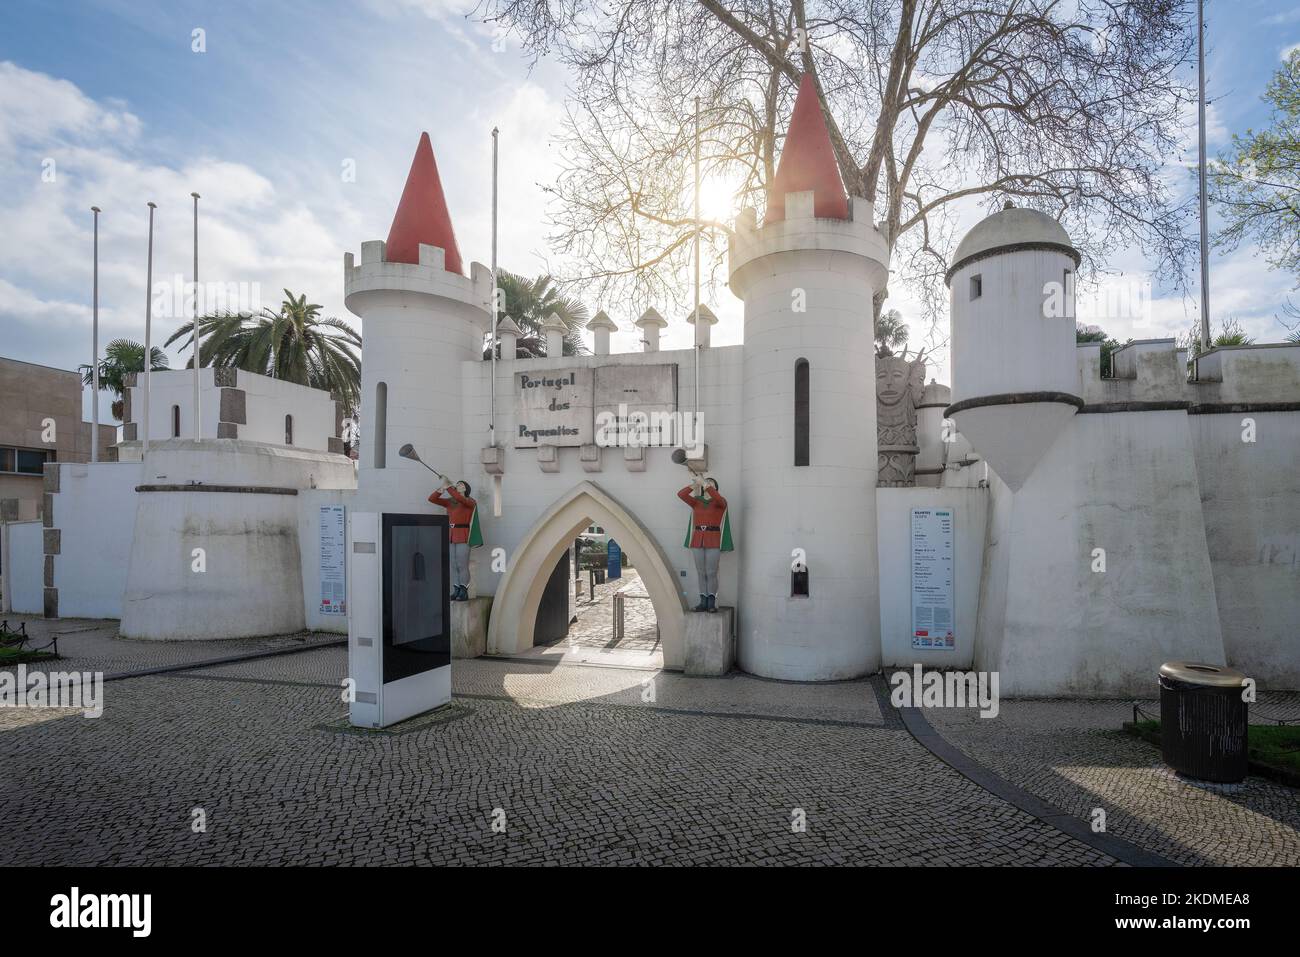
(514, 608)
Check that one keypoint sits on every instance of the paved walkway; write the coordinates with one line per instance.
(1073, 755)
(582, 765)
(591, 637)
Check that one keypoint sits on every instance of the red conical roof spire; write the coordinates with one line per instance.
(422, 215)
(808, 162)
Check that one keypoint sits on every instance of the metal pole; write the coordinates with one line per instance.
(198, 418)
(697, 263)
(148, 335)
(492, 415)
(94, 345)
(1205, 235)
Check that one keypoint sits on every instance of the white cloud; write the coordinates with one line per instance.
(251, 230)
(39, 109)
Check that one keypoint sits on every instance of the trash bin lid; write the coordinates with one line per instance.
(1199, 673)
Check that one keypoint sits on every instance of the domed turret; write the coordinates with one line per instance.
(930, 438)
(1014, 378)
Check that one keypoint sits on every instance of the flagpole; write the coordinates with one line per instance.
(492, 418)
(94, 339)
(198, 418)
(1205, 234)
(697, 263)
(148, 335)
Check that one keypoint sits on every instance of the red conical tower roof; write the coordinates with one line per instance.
(808, 162)
(422, 215)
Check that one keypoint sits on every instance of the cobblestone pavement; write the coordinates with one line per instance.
(1073, 754)
(586, 765)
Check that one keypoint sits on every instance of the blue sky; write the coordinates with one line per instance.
(287, 93)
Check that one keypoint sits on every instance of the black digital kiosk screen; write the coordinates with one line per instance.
(417, 605)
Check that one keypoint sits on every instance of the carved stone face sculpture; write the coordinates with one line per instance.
(891, 380)
(898, 390)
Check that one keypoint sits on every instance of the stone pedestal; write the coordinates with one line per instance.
(710, 647)
(469, 622)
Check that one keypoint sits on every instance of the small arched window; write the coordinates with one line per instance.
(801, 412)
(288, 430)
(417, 567)
(381, 424)
(176, 422)
(799, 582)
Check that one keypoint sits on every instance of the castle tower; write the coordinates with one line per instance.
(807, 277)
(421, 319)
(1014, 375)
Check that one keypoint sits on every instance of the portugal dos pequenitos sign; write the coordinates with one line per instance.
(553, 408)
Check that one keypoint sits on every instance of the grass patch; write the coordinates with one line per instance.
(1275, 744)
(19, 656)
(1272, 745)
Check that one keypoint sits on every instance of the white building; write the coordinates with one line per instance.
(233, 404)
(191, 539)
(1074, 533)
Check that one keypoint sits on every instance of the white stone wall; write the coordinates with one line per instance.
(267, 402)
(270, 400)
(1126, 483)
(24, 568)
(894, 547)
(1251, 495)
(1256, 373)
(94, 511)
(176, 388)
(253, 582)
(236, 462)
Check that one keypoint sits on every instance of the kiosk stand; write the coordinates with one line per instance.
(399, 625)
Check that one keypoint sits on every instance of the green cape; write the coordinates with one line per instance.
(475, 533)
(726, 544)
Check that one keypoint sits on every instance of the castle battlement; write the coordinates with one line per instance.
(429, 276)
(802, 231)
(1155, 371)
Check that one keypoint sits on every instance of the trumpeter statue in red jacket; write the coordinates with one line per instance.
(708, 536)
(465, 533)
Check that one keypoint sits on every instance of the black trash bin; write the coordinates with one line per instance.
(1203, 721)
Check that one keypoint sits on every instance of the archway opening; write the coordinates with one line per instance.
(654, 616)
(595, 607)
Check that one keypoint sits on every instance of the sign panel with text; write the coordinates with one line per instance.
(553, 408)
(333, 561)
(932, 578)
(636, 405)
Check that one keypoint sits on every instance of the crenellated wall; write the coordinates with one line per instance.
(1191, 490)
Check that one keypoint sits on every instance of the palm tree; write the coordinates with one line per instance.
(891, 332)
(122, 358)
(1230, 334)
(296, 344)
(529, 302)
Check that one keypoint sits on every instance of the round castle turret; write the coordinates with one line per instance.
(422, 319)
(807, 277)
(1014, 375)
